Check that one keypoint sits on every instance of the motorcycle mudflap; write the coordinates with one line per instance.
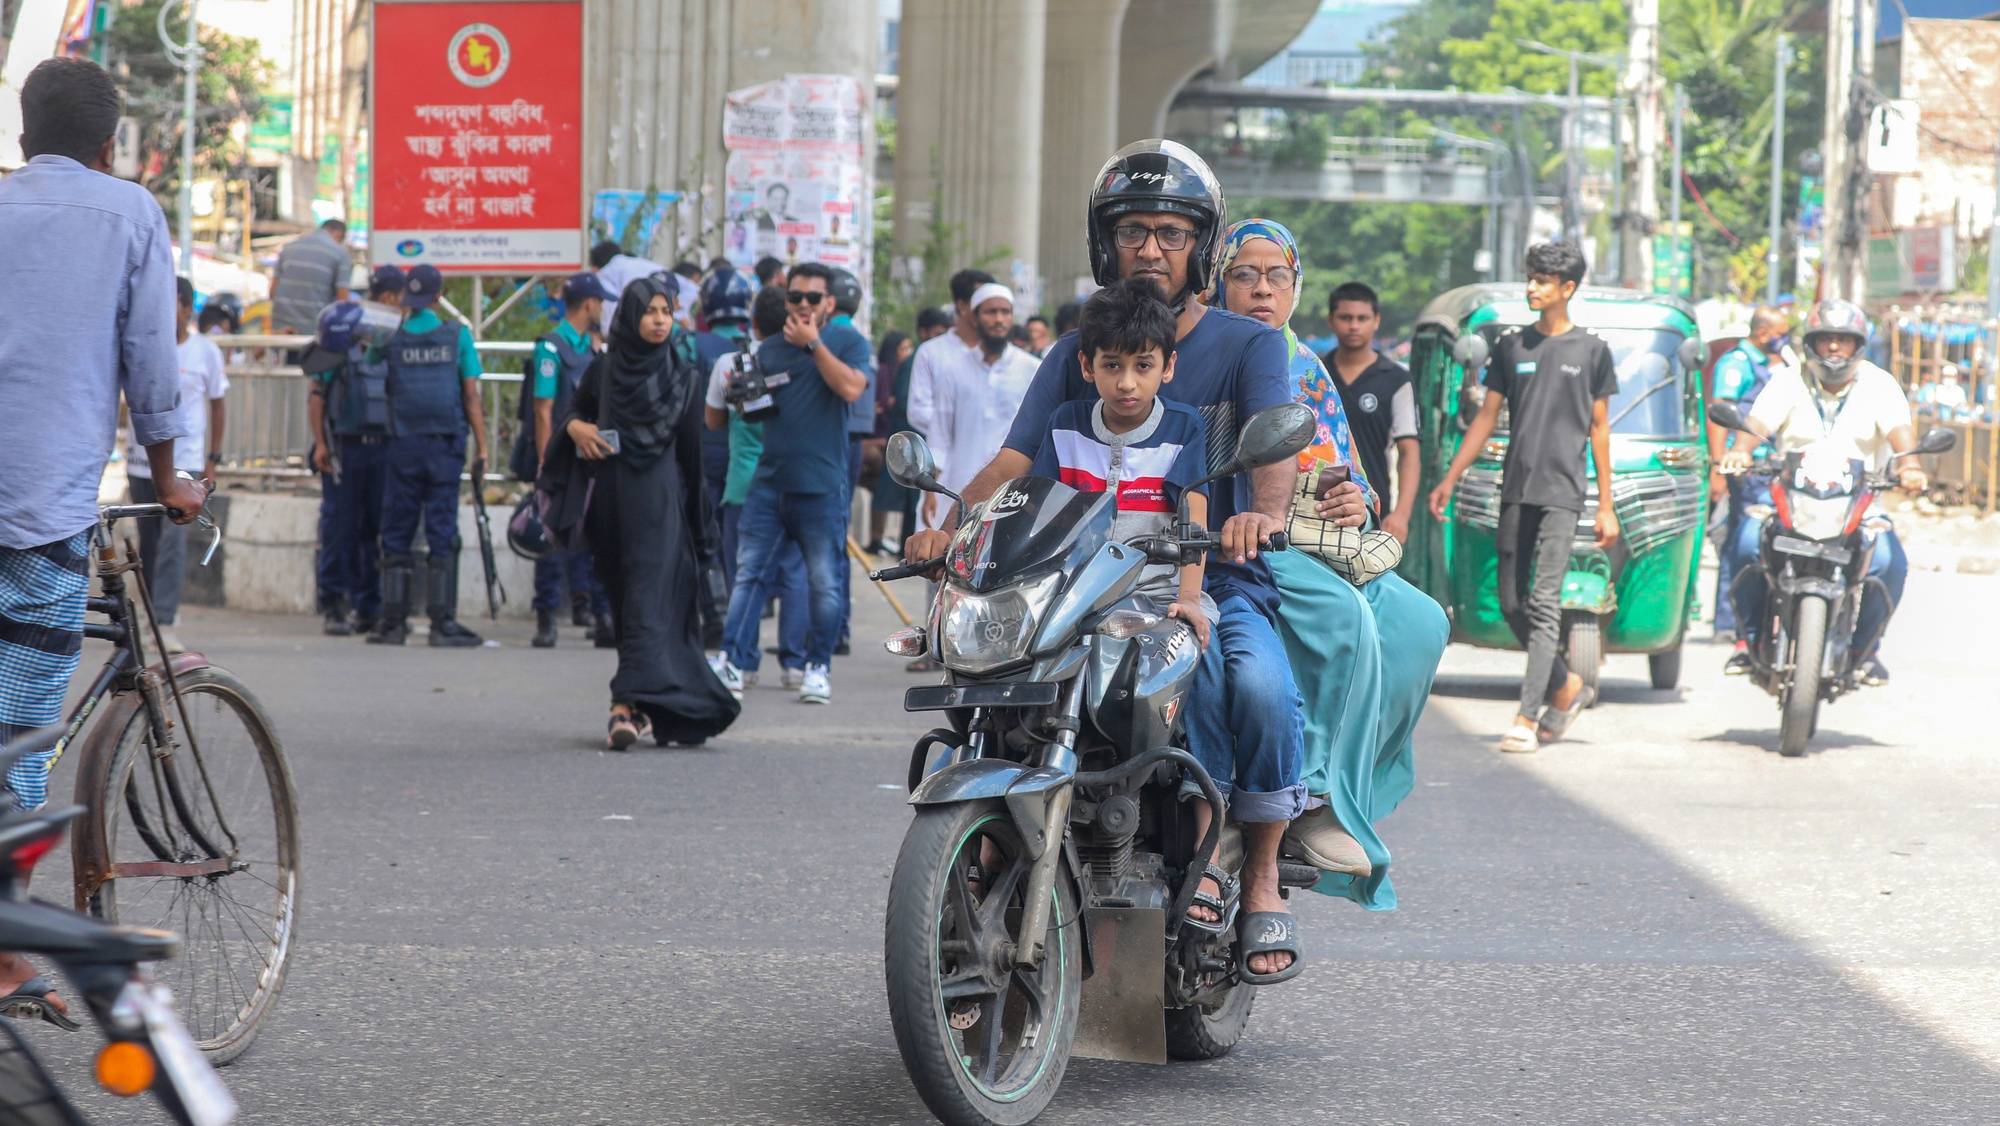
(1124, 1011)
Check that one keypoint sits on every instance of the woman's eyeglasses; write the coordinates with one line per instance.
(803, 297)
(1132, 236)
(1245, 277)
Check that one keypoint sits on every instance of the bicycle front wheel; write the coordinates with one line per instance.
(200, 837)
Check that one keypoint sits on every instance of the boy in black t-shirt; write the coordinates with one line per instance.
(1556, 380)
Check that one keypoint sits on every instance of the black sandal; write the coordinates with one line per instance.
(1224, 905)
(625, 729)
(30, 1001)
(1268, 932)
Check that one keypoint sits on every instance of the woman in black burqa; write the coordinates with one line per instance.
(647, 523)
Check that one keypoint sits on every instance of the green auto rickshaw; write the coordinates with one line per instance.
(1640, 595)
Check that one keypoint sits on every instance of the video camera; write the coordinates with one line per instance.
(750, 386)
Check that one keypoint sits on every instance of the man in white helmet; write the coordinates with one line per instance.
(1834, 395)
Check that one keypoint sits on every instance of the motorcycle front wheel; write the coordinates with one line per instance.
(984, 1040)
(1799, 706)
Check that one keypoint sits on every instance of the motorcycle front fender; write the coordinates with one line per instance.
(1025, 789)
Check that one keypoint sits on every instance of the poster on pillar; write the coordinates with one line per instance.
(476, 111)
(796, 185)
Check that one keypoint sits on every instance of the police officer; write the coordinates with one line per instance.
(348, 413)
(433, 385)
(558, 365)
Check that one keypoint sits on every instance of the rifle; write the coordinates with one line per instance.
(495, 593)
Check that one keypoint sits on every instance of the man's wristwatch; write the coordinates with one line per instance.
(215, 459)
(811, 347)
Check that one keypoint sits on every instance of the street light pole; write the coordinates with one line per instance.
(1771, 256)
(188, 56)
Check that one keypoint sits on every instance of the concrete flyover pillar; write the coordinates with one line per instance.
(969, 142)
(1165, 43)
(1079, 130)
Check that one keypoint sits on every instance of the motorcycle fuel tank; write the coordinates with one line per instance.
(1138, 685)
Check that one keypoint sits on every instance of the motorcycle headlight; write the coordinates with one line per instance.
(982, 632)
(1819, 519)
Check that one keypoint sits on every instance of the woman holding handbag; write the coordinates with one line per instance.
(1364, 644)
(625, 473)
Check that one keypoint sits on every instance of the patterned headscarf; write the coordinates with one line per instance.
(1335, 440)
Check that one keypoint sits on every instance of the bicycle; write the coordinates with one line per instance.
(166, 748)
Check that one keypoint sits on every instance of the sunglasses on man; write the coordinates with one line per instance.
(803, 296)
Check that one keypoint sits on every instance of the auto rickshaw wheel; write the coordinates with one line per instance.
(1584, 650)
(1665, 667)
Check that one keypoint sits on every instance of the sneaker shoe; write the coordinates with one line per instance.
(336, 624)
(794, 679)
(1739, 663)
(171, 643)
(817, 685)
(1873, 672)
(730, 676)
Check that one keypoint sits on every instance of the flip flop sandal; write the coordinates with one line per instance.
(1268, 932)
(1223, 905)
(1555, 721)
(30, 1002)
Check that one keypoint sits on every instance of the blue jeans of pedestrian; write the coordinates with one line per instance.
(422, 490)
(817, 524)
(1726, 562)
(1244, 719)
(1888, 563)
(350, 522)
(572, 568)
(793, 594)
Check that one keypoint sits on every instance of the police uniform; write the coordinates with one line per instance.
(428, 361)
(350, 508)
(558, 365)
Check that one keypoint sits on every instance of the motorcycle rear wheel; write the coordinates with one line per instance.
(1195, 1033)
(1799, 705)
(939, 935)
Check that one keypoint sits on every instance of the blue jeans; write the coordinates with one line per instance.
(1887, 563)
(1244, 718)
(350, 520)
(817, 524)
(1726, 562)
(422, 489)
(794, 596)
(572, 568)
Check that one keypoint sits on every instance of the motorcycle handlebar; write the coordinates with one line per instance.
(906, 570)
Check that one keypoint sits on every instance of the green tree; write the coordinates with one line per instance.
(228, 89)
(1496, 60)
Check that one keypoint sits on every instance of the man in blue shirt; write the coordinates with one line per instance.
(433, 404)
(89, 299)
(1740, 375)
(800, 488)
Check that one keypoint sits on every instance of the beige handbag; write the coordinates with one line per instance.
(1355, 555)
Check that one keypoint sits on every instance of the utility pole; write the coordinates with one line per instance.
(1772, 256)
(1642, 86)
(188, 56)
(1674, 218)
(1858, 178)
(1836, 261)
(1993, 242)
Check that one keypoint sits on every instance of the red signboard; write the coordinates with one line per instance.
(477, 133)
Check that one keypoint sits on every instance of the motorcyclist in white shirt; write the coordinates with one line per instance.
(1834, 395)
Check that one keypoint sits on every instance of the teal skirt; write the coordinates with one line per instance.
(1363, 660)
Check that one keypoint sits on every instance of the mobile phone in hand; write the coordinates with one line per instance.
(1331, 477)
(610, 438)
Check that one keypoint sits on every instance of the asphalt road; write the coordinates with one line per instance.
(1658, 921)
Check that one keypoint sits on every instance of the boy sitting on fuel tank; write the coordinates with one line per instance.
(1146, 449)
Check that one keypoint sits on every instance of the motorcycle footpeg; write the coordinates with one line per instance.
(1294, 874)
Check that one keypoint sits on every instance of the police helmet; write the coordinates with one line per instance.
(1834, 317)
(1157, 176)
(726, 296)
(846, 290)
(525, 533)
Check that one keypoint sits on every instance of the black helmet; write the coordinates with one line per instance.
(1157, 175)
(1834, 317)
(846, 290)
(525, 533)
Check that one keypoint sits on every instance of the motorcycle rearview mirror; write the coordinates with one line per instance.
(1936, 440)
(1691, 353)
(1727, 415)
(1274, 434)
(911, 463)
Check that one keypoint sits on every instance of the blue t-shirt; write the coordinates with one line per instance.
(805, 447)
(1227, 369)
(860, 412)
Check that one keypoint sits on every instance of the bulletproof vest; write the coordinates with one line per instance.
(424, 396)
(571, 363)
(361, 396)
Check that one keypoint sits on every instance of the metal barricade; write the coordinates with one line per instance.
(268, 433)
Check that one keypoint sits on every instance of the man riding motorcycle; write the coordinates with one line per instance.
(1156, 212)
(1835, 396)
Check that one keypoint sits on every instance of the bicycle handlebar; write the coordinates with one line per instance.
(109, 514)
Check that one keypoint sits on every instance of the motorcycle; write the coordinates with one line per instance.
(1038, 908)
(147, 1048)
(1814, 552)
